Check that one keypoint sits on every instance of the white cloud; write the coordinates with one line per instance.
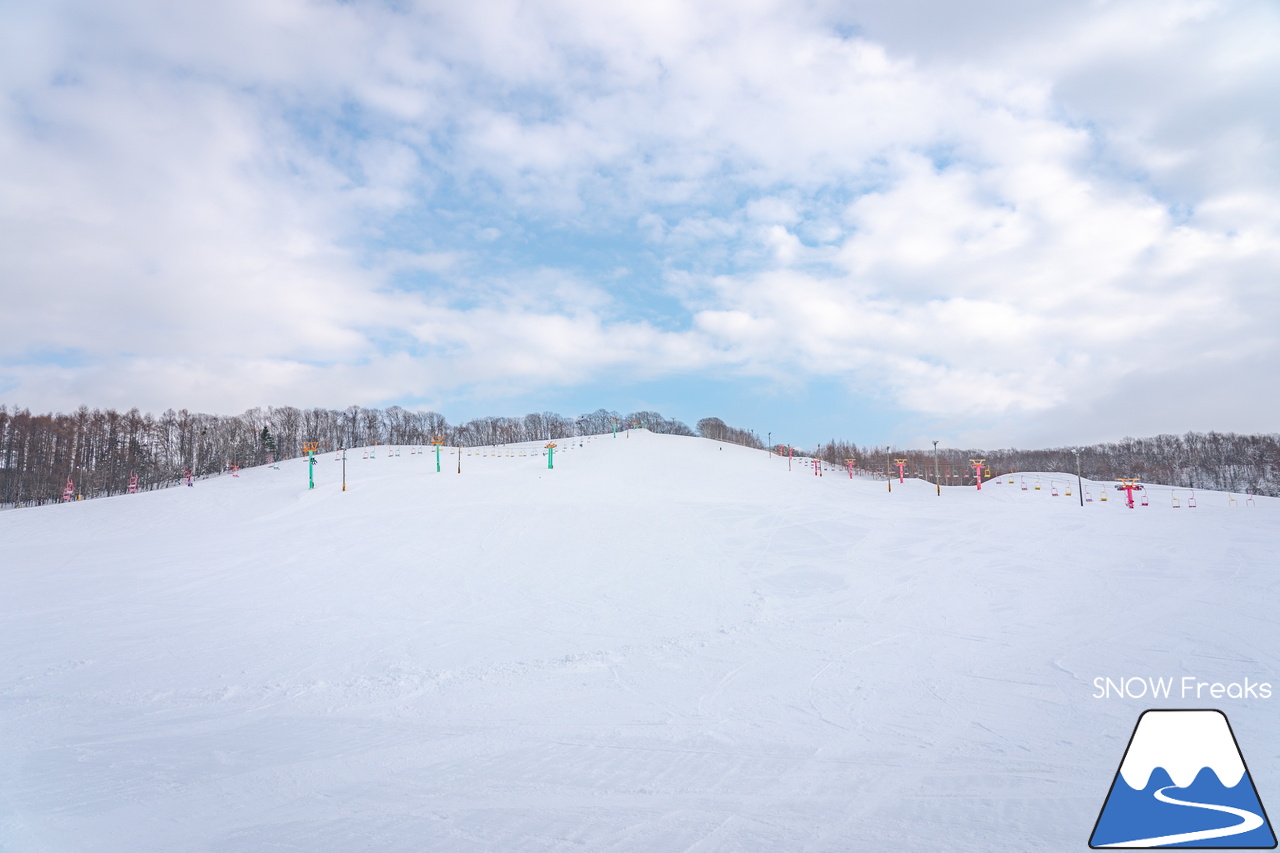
(965, 211)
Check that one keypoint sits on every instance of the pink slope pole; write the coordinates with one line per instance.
(977, 471)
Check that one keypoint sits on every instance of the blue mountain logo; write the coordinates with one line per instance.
(1183, 783)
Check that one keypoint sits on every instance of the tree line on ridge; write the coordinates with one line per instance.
(99, 450)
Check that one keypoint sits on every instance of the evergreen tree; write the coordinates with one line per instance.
(268, 443)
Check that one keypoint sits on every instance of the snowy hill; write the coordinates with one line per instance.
(662, 644)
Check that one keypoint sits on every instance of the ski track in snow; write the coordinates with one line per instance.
(659, 645)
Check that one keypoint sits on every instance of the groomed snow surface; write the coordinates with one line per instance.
(665, 644)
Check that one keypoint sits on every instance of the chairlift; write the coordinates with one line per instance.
(1037, 484)
(1088, 496)
(1145, 502)
(1250, 501)
(1174, 496)
(1053, 485)
(1024, 483)
(1191, 503)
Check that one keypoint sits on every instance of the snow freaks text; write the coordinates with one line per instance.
(1186, 687)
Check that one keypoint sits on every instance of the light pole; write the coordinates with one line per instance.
(1079, 484)
(937, 485)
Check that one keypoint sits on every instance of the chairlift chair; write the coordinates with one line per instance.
(1145, 502)
(1053, 485)
(1024, 483)
(1174, 497)
(1088, 496)
(1191, 504)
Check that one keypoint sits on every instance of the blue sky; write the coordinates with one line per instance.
(1031, 223)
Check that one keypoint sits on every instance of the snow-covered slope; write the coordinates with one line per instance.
(664, 644)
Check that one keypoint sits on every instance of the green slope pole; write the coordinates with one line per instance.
(310, 448)
(551, 455)
(437, 441)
